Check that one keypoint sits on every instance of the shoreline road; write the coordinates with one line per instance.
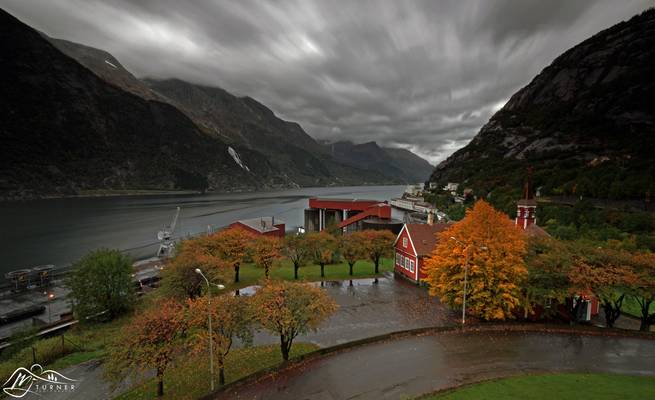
(411, 366)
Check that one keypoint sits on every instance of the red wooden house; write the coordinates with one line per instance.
(267, 226)
(413, 245)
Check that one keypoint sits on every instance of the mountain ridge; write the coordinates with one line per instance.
(586, 123)
(66, 130)
(79, 121)
(239, 120)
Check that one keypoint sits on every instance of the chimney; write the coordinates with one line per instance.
(430, 218)
(272, 221)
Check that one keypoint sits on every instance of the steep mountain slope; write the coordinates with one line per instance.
(64, 129)
(586, 123)
(415, 168)
(105, 66)
(400, 164)
(238, 121)
(245, 121)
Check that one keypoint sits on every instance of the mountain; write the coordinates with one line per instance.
(244, 121)
(415, 168)
(65, 130)
(297, 159)
(399, 164)
(105, 66)
(586, 123)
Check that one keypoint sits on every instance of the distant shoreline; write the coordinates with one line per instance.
(154, 192)
(119, 193)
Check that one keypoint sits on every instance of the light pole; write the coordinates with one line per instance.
(467, 249)
(209, 314)
(50, 297)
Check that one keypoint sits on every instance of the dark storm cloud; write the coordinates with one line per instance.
(420, 75)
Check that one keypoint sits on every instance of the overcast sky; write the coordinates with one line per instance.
(420, 75)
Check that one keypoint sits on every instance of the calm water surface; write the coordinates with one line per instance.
(59, 231)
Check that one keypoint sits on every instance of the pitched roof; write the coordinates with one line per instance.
(262, 224)
(424, 236)
(533, 230)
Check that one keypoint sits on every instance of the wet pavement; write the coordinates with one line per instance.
(369, 308)
(54, 307)
(413, 366)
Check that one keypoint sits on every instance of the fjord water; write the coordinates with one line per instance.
(60, 231)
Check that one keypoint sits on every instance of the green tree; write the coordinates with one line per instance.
(101, 282)
(548, 261)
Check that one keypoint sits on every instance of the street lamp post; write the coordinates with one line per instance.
(209, 314)
(50, 297)
(466, 270)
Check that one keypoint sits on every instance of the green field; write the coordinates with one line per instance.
(559, 386)
(631, 307)
(250, 274)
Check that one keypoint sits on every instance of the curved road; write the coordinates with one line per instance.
(412, 366)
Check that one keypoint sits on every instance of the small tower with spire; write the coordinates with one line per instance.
(526, 213)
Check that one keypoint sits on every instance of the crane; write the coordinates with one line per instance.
(165, 237)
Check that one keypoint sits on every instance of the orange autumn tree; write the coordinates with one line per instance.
(322, 246)
(643, 290)
(179, 278)
(233, 244)
(289, 309)
(494, 249)
(352, 248)
(231, 319)
(377, 244)
(266, 250)
(150, 342)
(608, 274)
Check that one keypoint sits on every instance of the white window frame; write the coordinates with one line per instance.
(405, 242)
(411, 265)
(407, 263)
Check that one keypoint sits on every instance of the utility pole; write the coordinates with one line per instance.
(467, 249)
(209, 315)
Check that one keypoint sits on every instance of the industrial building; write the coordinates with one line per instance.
(349, 215)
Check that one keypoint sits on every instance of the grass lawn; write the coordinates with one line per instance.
(250, 274)
(190, 379)
(631, 307)
(558, 386)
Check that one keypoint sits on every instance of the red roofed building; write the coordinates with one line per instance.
(413, 245)
(267, 226)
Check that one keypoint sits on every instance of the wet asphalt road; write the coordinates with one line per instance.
(415, 365)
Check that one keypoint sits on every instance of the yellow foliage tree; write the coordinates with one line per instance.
(491, 246)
